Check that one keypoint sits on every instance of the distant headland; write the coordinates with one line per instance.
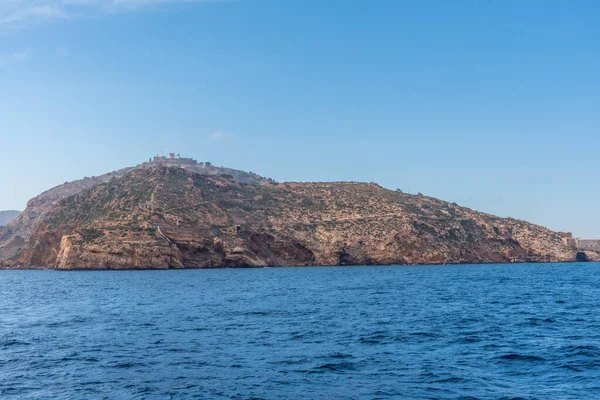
(176, 212)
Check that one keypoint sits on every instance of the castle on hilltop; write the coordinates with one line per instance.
(173, 159)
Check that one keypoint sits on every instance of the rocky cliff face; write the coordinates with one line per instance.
(168, 217)
(18, 232)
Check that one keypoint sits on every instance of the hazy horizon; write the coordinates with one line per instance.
(489, 105)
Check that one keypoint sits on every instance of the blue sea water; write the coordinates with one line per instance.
(440, 332)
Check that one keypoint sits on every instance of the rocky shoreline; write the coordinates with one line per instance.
(516, 263)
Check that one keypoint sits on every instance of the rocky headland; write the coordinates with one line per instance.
(157, 216)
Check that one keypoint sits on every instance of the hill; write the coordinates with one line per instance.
(14, 237)
(7, 216)
(171, 217)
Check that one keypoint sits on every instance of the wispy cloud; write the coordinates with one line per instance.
(17, 12)
(218, 135)
(21, 56)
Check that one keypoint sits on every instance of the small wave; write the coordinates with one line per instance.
(538, 321)
(290, 361)
(520, 357)
(13, 342)
(468, 339)
(68, 322)
(586, 351)
(337, 367)
(450, 380)
(585, 347)
(339, 356)
(424, 334)
(374, 338)
(297, 337)
(126, 365)
(371, 340)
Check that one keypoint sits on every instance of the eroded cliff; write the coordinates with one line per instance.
(14, 237)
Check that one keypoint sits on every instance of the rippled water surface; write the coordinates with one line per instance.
(447, 332)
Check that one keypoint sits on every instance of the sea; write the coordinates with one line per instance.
(520, 331)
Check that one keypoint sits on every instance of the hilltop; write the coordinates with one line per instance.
(173, 217)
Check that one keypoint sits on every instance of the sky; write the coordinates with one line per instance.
(490, 104)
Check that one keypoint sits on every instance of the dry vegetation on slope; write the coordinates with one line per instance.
(14, 237)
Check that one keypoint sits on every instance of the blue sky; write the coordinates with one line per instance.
(491, 104)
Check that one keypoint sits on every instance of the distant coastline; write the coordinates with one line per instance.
(175, 213)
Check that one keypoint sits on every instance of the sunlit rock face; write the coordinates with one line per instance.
(14, 237)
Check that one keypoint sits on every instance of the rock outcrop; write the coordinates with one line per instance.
(18, 232)
(168, 217)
